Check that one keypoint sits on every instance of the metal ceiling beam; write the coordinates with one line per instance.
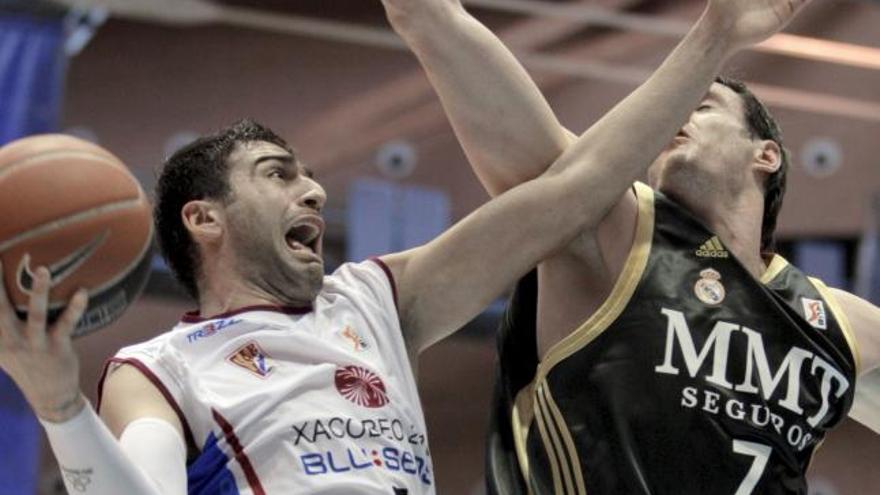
(374, 107)
(380, 37)
(782, 44)
(204, 12)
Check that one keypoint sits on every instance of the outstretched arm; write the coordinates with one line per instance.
(41, 361)
(504, 124)
(447, 281)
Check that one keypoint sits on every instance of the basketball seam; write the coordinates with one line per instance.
(32, 158)
(76, 217)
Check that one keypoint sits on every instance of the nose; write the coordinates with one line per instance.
(314, 197)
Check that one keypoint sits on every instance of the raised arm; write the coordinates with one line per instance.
(449, 280)
(41, 361)
(504, 124)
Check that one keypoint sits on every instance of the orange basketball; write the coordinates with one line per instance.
(73, 207)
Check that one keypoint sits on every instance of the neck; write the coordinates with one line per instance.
(737, 222)
(218, 298)
(224, 290)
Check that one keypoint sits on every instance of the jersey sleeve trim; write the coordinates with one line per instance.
(845, 326)
(621, 293)
(391, 280)
(777, 264)
(157, 382)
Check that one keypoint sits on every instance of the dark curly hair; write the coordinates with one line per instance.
(199, 170)
(763, 126)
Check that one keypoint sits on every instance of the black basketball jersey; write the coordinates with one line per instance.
(692, 378)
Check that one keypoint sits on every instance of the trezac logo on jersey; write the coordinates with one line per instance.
(814, 311)
(211, 329)
(252, 358)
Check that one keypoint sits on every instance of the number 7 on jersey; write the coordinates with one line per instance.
(761, 453)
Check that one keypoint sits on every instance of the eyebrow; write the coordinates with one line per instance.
(286, 159)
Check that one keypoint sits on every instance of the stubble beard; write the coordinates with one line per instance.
(264, 266)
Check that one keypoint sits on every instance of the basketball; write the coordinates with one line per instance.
(73, 207)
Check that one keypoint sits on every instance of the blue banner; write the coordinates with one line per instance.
(32, 67)
(387, 217)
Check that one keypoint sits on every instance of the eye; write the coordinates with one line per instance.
(703, 107)
(277, 173)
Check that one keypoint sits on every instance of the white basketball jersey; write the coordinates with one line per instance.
(284, 401)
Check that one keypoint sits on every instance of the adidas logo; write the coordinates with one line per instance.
(712, 249)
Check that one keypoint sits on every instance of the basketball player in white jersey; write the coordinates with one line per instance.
(284, 381)
(691, 130)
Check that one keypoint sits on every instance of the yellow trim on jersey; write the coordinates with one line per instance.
(521, 420)
(548, 447)
(607, 313)
(620, 295)
(569, 443)
(555, 435)
(842, 320)
(777, 264)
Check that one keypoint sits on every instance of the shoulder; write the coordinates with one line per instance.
(129, 394)
(152, 364)
(371, 270)
(370, 277)
(158, 352)
(864, 320)
(144, 380)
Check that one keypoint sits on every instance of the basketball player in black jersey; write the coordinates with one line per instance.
(667, 350)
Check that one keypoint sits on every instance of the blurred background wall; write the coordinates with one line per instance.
(330, 77)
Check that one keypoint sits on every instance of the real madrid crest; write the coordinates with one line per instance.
(709, 288)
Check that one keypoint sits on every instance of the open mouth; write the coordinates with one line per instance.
(303, 236)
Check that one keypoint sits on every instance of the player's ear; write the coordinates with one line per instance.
(768, 156)
(203, 219)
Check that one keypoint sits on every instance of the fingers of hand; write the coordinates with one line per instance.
(71, 315)
(10, 326)
(35, 329)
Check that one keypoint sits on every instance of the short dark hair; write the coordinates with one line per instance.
(199, 170)
(762, 125)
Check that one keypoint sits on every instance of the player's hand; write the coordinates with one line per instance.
(747, 22)
(41, 359)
